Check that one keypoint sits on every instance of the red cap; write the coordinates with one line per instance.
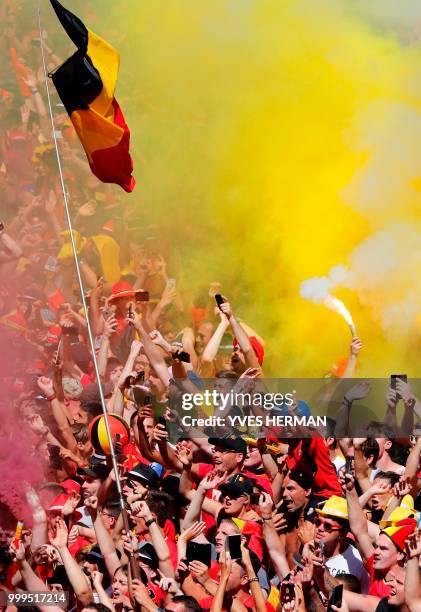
(70, 485)
(120, 290)
(257, 348)
(400, 531)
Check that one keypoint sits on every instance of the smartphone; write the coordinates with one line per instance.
(287, 592)
(130, 310)
(147, 400)
(199, 552)
(233, 545)
(348, 465)
(219, 299)
(1, 226)
(162, 421)
(320, 545)
(171, 284)
(393, 379)
(335, 598)
(55, 459)
(142, 296)
(254, 499)
(182, 356)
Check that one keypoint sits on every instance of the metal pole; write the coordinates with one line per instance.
(133, 564)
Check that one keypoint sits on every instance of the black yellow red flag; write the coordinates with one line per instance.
(86, 84)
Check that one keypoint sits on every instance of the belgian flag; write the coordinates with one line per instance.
(86, 83)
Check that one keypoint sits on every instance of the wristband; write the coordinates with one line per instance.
(255, 579)
(267, 518)
(34, 91)
(148, 523)
(52, 397)
(411, 403)
(347, 402)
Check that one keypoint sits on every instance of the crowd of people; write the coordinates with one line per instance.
(213, 518)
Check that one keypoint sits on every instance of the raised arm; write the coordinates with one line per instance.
(152, 352)
(31, 580)
(357, 519)
(77, 578)
(355, 348)
(241, 337)
(273, 542)
(59, 414)
(212, 347)
(141, 509)
(199, 500)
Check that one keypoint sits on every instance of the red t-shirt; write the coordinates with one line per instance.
(312, 456)
(378, 587)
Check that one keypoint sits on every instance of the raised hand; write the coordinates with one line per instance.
(402, 487)
(356, 346)
(59, 537)
(71, 504)
(36, 424)
(226, 309)
(185, 455)
(358, 391)
(212, 481)
(193, 531)
(46, 386)
(160, 434)
(413, 544)
(404, 390)
(391, 398)
(266, 505)
(91, 503)
(96, 578)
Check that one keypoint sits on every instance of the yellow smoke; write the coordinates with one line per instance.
(267, 137)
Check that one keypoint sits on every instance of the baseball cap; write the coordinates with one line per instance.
(237, 486)
(144, 474)
(94, 470)
(232, 443)
(95, 556)
(147, 555)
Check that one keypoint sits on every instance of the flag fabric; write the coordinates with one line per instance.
(86, 84)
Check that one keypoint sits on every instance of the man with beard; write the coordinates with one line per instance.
(296, 512)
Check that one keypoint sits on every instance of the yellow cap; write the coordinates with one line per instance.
(404, 511)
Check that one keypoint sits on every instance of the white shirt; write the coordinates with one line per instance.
(349, 562)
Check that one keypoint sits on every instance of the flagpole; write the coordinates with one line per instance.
(133, 565)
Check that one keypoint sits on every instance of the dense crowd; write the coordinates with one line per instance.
(218, 518)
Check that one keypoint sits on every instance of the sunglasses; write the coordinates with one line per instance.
(328, 527)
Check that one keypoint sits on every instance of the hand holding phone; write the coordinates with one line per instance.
(219, 300)
(335, 598)
(393, 380)
(287, 592)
